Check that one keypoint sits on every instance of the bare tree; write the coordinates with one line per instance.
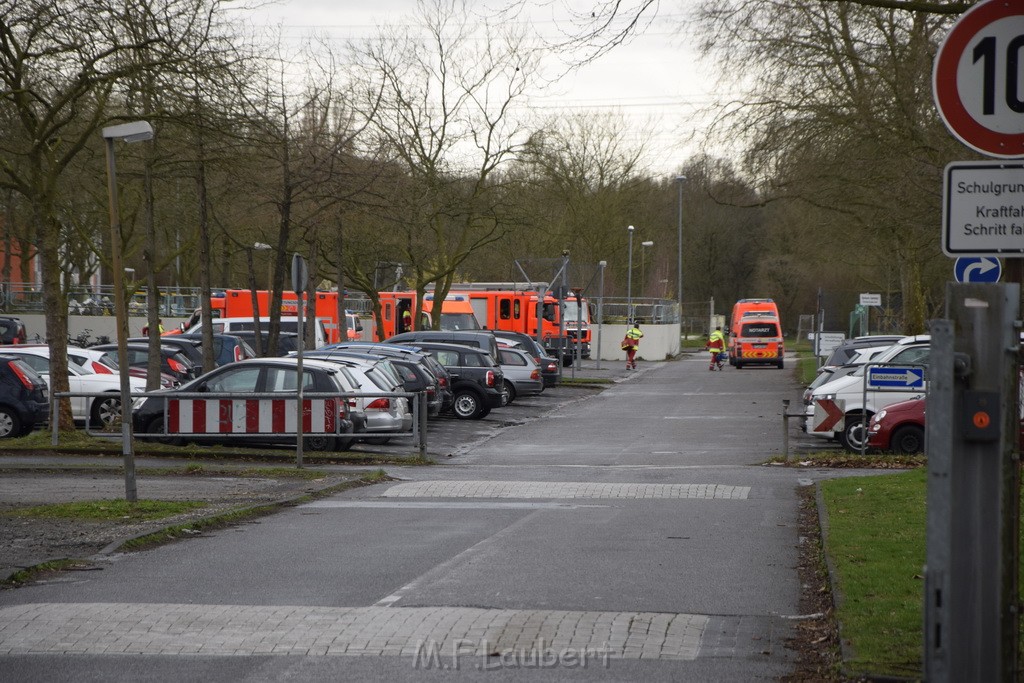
(443, 94)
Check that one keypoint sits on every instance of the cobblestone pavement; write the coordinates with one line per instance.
(419, 632)
(568, 490)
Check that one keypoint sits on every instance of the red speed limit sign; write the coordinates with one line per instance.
(978, 80)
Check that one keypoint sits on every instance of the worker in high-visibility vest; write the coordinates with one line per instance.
(630, 344)
(716, 345)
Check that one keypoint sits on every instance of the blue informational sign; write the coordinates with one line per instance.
(893, 377)
(977, 269)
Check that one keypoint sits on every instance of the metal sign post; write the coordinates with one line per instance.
(971, 594)
(300, 276)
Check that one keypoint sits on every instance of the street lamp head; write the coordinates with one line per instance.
(631, 228)
(136, 131)
(260, 246)
(648, 243)
(680, 178)
(602, 263)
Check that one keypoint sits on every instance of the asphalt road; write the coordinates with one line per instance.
(622, 535)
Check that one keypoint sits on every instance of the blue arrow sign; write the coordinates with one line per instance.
(895, 378)
(977, 269)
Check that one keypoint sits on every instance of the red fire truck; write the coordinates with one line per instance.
(237, 303)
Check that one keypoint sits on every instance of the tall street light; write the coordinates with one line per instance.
(629, 279)
(679, 265)
(600, 311)
(136, 131)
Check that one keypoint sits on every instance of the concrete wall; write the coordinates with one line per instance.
(99, 325)
(659, 342)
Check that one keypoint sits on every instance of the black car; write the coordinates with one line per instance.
(287, 342)
(548, 365)
(480, 339)
(248, 377)
(477, 380)
(24, 399)
(12, 330)
(226, 348)
(173, 361)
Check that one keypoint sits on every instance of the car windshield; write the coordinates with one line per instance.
(459, 321)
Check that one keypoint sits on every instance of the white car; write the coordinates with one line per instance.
(96, 411)
(839, 409)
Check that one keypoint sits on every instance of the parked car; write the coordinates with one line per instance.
(227, 348)
(173, 361)
(287, 342)
(410, 365)
(548, 365)
(12, 330)
(96, 411)
(848, 392)
(437, 371)
(522, 374)
(367, 374)
(257, 375)
(899, 428)
(287, 324)
(24, 398)
(842, 353)
(477, 380)
(480, 339)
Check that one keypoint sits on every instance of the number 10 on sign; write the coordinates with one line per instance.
(977, 81)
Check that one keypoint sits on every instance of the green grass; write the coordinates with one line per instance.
(110, 510)
(876, 544)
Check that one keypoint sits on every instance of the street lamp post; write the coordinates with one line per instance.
(136, 131)
(600, 310)
(629, 279)
(679, 243)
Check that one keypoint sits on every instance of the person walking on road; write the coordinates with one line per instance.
(716, 345)
(631, 343)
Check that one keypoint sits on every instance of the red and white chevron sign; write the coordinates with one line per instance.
(250, 416)
(828, 415)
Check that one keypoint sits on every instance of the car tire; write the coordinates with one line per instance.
(780, 365)
(320, 442)
(156, 426)
(907, 440)
(468, 404)
(106, 412)
(567, 361)
(738, 365)
(10, 423)
(377, 440)
(509, 393)
(854, 432)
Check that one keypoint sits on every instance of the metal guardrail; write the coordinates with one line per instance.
(419, 413)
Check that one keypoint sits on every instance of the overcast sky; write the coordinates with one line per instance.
(654, 80)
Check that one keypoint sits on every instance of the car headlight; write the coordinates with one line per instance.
(825, 397)
(879, 415)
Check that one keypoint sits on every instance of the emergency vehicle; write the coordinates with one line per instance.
(237, 303)
(755, 334)
(456, 313)
(507, 306)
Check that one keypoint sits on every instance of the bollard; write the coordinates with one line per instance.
(785, 430)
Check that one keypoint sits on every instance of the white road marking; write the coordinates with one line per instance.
(559, 489)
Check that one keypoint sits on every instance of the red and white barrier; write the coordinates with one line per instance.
(250, 416)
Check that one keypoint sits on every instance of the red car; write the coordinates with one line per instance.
(898, 428)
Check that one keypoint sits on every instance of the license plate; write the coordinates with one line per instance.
(760, 346)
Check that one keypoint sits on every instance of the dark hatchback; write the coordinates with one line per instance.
(548, 365)
(173, 361)
(477, 379)
(12, 330)
(258, 375)
(24, 399)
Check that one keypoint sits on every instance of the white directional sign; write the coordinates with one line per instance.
(870, 299)
(983, 209)
(827, 341)
(895, 378)
(977, 76)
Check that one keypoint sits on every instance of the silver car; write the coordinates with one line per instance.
(522, 374)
